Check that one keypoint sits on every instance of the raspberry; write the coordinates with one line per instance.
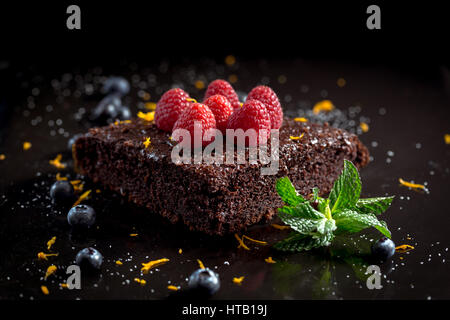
(267, 96)
(225, 89)
(169, 108)
(252, 115)
(222, 110)
(196, 112)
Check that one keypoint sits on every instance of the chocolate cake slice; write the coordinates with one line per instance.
(212, 198)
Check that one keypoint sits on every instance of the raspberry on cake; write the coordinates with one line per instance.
(252, 115)
(267, 96)
(225, 89)
(170, 107)
(222, 110)
(201, 114)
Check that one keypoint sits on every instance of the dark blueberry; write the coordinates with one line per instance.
(72, 141)
(383, 249)
(108, 108)
(125, 113)
(89, 259)
(117, 85)
(204, 280)
(82, 216)
(62, 191)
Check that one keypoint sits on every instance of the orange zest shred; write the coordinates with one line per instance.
(44, 290)
(253, 240)
(447, 138)
(300, 119)
(191, 100)
(241, 242)
(230, 60)
(2, 157)
(57, 162)
(142, 282)
(297, 138)
(279, 227)
(404, 248)
(43, 256)
(77, 185)
(412, 185)
(26, 145)
(63, 285)
(325, 105)
(364, 126)
(199, 84)
(180, 251)
(50, 270)
(59, 178)
(50, 243)
(119, 263)
(149, 116)
(238, 280)
(147, 142)
(150, 106)
(151, 264)
(172, 288)
(82, 198)
(269, 260)
(134, 234)
(200, 264)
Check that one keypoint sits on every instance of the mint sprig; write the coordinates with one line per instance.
(317, 220)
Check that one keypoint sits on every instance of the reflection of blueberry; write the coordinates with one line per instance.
(204, 280)
(383, 249)
(72, 141)
(81, 216)
(89, 259)
(62, 191)
(117, 85)
(108, 108)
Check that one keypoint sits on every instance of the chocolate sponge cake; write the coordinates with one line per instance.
(212, 198)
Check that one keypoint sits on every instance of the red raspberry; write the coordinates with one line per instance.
(267, 96)
(225, 89)
(196, 112)
(252, 115)
(169, 108)
(222, 110)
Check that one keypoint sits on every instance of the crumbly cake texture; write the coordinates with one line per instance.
(215, 199)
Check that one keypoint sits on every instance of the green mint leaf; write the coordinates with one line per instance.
(301, 225)
(346, 189)
(302, 210)
(373, 205)
(315, 192)
(287, 192)
(301, 242)
(352, 221)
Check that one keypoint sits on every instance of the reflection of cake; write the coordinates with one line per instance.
(215, 199)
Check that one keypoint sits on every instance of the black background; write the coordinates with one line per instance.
(413, 35)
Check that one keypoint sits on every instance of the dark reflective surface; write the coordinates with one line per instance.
(407, 115)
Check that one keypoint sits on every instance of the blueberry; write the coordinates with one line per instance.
(383, 249)
(72, 140)
(89, 259)
(204, 280)
(82, 216)
(107, 109)
(117, 85)
(125, 113)
(62, 191)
